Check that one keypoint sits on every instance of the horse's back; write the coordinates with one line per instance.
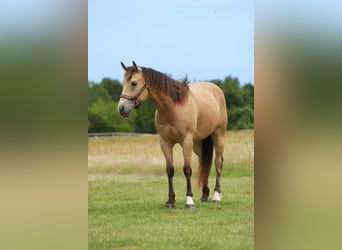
(206, 93)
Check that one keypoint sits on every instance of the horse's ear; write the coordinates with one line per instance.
(136, 67)
(123, 66)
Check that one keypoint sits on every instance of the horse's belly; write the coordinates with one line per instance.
(207, 119)
(204, 129)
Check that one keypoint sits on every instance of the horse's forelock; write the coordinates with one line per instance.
(129, 73)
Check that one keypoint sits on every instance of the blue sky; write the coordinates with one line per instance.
(205, 39)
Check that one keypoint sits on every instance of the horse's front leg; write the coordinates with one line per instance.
(168, 154)
(187, 153)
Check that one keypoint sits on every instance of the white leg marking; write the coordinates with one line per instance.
(217, 196)
(189, 201)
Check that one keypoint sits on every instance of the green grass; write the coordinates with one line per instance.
(126, 202)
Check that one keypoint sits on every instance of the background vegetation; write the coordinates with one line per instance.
(103, 98)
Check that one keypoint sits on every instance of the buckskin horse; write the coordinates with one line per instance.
(193, 115)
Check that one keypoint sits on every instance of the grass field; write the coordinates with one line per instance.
(127, 189)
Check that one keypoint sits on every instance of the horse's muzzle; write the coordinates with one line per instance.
(124, 111)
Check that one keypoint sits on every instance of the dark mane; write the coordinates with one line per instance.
(176, 90)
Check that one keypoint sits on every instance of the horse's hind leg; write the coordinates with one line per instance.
(205, 189)
(219, 148)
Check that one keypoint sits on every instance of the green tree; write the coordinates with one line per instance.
(241, 118)
(104, 117)
(248, 95)
(239, 101)
(96, 91)
(232, 92)
(113, 87)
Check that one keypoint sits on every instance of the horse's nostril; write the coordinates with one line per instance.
(121, 109)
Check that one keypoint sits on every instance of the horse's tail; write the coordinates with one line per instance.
(205, 161)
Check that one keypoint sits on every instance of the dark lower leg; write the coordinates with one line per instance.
(188, 172)
(170, 172)
(205, 193)
(218, 186)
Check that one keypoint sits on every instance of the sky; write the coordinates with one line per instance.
(203, 39)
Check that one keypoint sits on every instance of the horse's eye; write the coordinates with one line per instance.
(134, 84)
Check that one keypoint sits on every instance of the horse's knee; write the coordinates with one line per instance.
(170, 171)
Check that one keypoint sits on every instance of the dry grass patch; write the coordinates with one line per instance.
(141, 155)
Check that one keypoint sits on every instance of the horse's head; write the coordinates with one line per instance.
(135, 89)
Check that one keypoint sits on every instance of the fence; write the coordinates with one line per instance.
(113, 134)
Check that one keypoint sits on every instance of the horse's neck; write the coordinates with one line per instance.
(164, 105)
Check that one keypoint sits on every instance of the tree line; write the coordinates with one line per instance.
(103, 99)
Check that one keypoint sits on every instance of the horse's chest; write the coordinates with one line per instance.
(173, 132)
(175, 128)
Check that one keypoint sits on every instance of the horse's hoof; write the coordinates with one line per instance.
(204, 199)
(169, 205)
(217, 196)
(190, 206)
